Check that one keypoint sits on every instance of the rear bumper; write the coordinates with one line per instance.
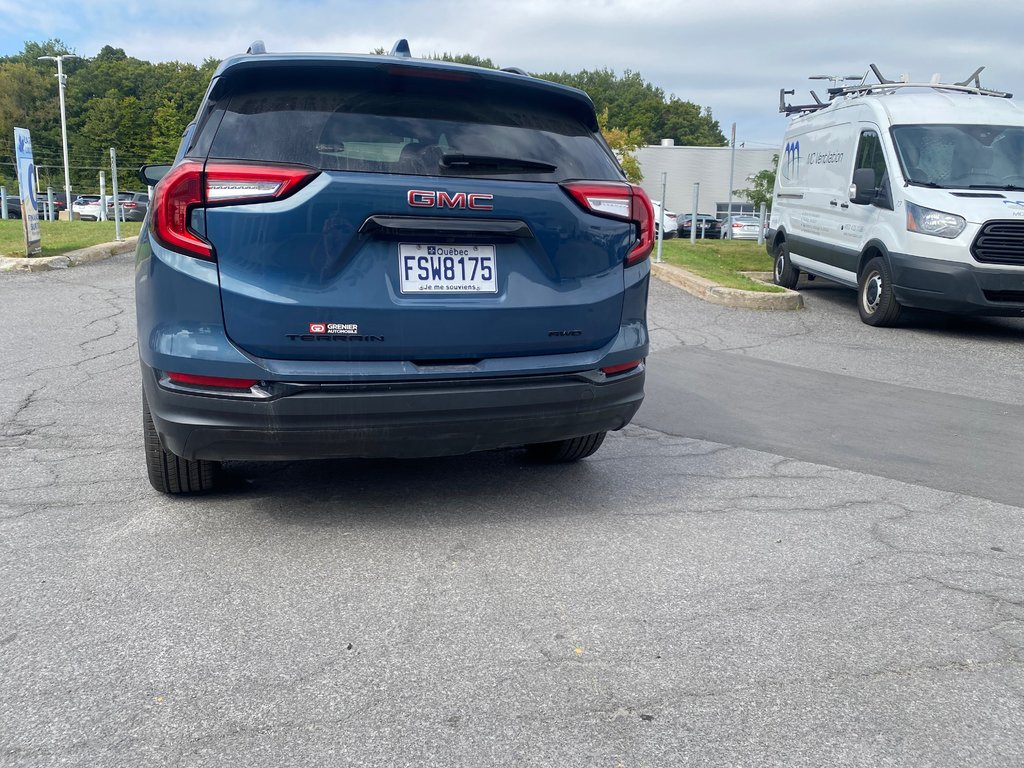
(396, 420)
(953, 287)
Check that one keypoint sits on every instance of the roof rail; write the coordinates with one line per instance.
(974, 77)
(257, 46)
(401, 48)
(884, 86)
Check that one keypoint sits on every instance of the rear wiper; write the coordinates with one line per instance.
(1005, 187)
(494, 163)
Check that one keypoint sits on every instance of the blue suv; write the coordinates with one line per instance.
(377, 256)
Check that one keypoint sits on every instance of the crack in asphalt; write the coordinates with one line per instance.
(852, 555)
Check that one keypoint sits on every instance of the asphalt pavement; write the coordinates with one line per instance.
(707, 590)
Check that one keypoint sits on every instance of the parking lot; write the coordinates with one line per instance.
(806, 551)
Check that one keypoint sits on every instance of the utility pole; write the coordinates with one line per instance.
(693, 221)
(103, 196)
(732, 171)
(661, 224)
(62, 81)
(113, 181)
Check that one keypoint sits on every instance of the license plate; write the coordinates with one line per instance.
(447, 268)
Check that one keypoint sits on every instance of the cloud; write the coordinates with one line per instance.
(732, 58)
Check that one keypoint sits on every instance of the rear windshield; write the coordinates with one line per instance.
(406, 125)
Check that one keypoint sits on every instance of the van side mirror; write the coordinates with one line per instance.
(151, 174)
(862, 191)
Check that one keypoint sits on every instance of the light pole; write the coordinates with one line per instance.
(62, 80)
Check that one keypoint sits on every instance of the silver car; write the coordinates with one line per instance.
(739, 227)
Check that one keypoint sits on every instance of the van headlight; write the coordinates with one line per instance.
(930, 222)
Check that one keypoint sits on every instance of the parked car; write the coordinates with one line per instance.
(122, 197)
(670, 219)
(708, 227)
(740, 227)
(86, 207)
(379, 256)
(135, 205)
(909, 194)
(42, 204)
(13, 207)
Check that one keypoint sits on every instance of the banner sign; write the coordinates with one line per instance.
(26, 177)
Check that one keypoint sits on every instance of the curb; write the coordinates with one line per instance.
(712, 292)
(70, 259)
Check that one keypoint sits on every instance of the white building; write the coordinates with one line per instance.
(707, 165)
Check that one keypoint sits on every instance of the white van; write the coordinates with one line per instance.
(911, 193)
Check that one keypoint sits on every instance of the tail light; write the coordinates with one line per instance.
(614, 370)
(188, 186)
(210, 381)
(618, 200)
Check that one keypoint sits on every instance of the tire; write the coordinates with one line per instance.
(565, 451)
(784, 273)
(875, 300)
(172, 474)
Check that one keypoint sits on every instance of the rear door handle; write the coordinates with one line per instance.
(833, 203)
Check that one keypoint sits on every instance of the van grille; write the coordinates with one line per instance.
(1000, 242)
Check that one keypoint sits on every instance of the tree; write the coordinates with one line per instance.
(31, 52)
(623, 144)
(117, 121)
(28, 99)
(688, 125)
(464, 58)
(762, 186)
(142, 108)
(633, 104)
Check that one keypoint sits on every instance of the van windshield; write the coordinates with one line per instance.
(961, 156)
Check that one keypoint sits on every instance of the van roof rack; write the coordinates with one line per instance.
(972, 84)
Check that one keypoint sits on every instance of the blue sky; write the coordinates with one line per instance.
(730, 56)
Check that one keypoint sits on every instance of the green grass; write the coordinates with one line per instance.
(721, 261)
(61, 236)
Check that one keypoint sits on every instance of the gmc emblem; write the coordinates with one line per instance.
(425, 198)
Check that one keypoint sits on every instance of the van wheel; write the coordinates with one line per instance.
(875, 300)
(564, 451)
(786, 274)
(172, 474)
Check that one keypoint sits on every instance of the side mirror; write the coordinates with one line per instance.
(862, 191)
(151, 174)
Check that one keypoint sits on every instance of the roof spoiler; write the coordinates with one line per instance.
(400, 49)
